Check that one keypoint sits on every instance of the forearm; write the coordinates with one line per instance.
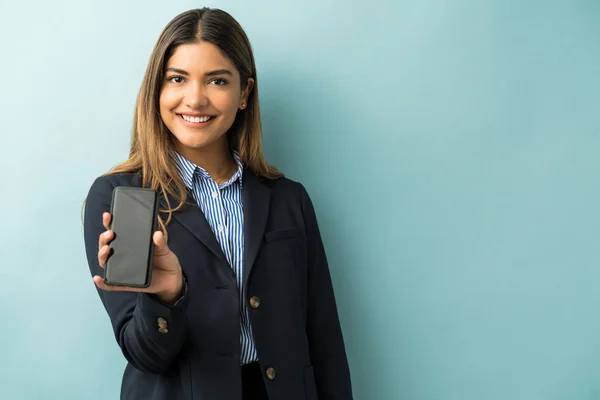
(326, 342)
(149, 332)
(154, 335)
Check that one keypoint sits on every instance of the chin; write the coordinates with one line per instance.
(196, 143)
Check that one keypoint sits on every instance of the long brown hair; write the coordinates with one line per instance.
(151, 141)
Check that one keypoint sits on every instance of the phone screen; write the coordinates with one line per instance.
(133, 223)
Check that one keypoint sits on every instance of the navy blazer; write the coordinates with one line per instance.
(292, 311)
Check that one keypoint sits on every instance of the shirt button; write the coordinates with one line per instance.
(271, 373)
(215, 195)
(162, 325)
(220, 228)
(254, 302)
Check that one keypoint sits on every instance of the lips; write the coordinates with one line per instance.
(196, 119)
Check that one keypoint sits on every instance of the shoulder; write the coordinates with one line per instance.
(284, 187)
(100, 195)
(100, 192)
(109, 181)
(289, 191)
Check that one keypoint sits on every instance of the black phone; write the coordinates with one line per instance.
(134, 214)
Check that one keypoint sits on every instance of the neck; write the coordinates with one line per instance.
(216, 160)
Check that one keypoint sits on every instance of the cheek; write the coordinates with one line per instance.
(226, 103)
(167, 101)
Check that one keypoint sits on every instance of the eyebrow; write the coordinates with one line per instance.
(209, 73)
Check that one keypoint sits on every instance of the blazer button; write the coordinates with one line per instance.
(271, 373)
(254, 302)
(162, 325)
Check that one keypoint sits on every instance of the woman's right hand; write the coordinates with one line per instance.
(167, 277)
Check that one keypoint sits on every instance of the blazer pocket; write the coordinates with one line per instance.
(281, 234)
(310, 387)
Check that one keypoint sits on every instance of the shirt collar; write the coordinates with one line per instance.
(188, 169)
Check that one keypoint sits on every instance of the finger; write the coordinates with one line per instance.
(103, 254)
(160, 243)
(110, 288)
(99, 282)
(105, 238)
(106, 218)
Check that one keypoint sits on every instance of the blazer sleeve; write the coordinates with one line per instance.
(327, 350)
(134, 316)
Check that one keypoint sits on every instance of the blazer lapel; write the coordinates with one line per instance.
(256, 197)
(193, 219)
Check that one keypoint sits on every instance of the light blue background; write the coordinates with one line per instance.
(451, 149)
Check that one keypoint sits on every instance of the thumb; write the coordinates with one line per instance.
(160, 244)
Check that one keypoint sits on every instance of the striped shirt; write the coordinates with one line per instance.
(222, 206)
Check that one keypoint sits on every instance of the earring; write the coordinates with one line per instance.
(243, 105)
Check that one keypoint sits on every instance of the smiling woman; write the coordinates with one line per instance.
(240, 303)
(200, 98)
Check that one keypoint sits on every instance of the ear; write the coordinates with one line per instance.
(246, 93)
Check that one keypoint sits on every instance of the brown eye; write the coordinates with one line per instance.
(219, 82)
(175, 79)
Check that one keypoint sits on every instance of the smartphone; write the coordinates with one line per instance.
(134, 214)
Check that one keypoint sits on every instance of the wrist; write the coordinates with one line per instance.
(171, 296)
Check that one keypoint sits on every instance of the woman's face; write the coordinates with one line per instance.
(200, 97)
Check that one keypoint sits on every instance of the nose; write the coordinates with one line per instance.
(195, 96)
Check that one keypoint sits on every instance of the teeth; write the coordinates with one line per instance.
(196, 120)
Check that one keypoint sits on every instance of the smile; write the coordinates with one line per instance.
(196, 120)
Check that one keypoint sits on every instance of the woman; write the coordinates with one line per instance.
(241, 304)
